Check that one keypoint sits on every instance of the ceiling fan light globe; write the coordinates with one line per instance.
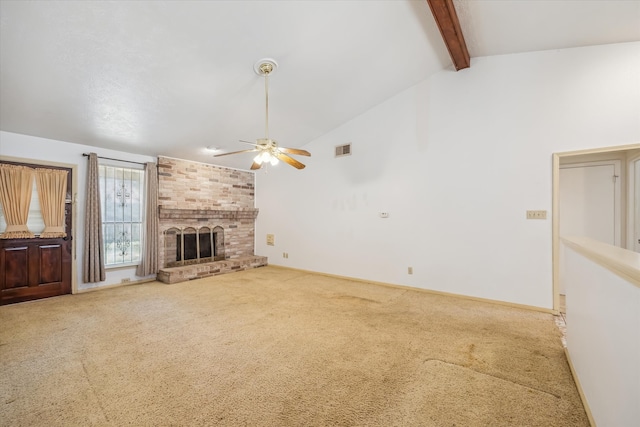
(274, 161)
(258, 159)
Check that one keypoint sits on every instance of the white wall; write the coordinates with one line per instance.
(33, 148)
(603, 336)
(456, 161)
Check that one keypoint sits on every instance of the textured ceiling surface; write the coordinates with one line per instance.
(171, 78)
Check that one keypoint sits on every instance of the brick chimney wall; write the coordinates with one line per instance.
(189, 190)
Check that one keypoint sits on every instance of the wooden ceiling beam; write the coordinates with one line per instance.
(445, 15)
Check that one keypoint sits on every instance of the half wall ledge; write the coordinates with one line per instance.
(215, 268)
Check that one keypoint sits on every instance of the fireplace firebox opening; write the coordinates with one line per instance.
(192, 250)
(191, 246)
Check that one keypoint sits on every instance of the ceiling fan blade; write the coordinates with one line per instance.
(237, 152)
(294, 151)
(248, 142)
(255, 166)
(290, 160)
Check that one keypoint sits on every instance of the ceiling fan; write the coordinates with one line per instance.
(268, 150)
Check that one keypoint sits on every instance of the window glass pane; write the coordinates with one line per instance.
(121, 194)
(109, 243)
(123, 205)
(118, 228)
(132, 187)
(136, 240)
(136, 196)
(35, 222)
(103, 191)
(108, 195)
(125, 240)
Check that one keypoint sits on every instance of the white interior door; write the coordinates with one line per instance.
(590, 202)
(635, 196)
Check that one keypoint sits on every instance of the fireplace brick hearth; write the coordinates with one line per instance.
(197, 197)
(198, 271)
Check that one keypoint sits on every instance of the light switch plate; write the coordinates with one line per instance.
(536, 214)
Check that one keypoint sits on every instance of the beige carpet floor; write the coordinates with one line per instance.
(278, 347)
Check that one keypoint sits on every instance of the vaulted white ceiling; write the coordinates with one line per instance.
(171, 78)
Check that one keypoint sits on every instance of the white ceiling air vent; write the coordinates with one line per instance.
(343, 150)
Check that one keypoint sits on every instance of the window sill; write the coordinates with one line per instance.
(120, 266)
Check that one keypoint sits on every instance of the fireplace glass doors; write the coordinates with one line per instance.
(188, 246)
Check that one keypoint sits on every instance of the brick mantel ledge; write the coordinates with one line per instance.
(205, 214)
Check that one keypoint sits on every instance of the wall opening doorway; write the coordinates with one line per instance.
(590, 202)
(593, 197)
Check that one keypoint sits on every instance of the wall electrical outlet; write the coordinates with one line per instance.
(536, 214)
(127, 280)
(410, 270)
(285, 255)
(271, 240)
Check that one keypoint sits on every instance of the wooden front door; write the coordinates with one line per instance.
(37, 268)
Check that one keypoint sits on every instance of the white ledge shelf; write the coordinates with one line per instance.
(621, 262)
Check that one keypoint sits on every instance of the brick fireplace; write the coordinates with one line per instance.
(206, 220)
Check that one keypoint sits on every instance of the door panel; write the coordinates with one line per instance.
(16, 266)
(38, 269)
(50, 264)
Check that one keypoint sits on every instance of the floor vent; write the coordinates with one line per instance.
(343, 150)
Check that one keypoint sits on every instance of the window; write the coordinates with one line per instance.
(122, 204)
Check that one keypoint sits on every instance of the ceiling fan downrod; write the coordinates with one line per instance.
(265, 67)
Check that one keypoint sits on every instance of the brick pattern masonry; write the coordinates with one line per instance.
(198, 271)
(199, 195)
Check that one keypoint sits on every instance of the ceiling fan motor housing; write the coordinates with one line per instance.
(265, 66)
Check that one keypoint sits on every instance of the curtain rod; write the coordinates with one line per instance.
(117, 160)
